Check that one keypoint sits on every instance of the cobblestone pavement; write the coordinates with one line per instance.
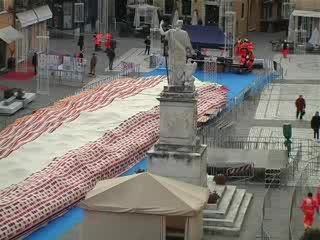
(278, 101)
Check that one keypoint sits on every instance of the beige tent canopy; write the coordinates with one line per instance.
(146, 193)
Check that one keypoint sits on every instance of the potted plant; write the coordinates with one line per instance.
(213, 198)
(220, 179)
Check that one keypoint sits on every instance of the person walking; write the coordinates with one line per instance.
(81, 42)
(111, 55)
(300, 105)
(147, 42)
(315, 125)
(93, 64)
(309, 205)
(285, 49)
(35, 62)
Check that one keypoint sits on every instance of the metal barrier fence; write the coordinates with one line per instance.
(236, 174)
(301, 189)
(262, 143)
(264, 235)
(127, 69)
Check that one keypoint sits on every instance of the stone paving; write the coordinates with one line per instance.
(278, 101)
(299, 67)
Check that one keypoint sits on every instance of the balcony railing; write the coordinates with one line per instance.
(28, 4)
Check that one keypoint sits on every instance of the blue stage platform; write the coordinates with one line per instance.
(236, 83)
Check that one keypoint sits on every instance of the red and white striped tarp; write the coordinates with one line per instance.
(234, 171)
(45, 120)
(66, 180)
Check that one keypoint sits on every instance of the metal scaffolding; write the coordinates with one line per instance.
(287, 8)
(227, 22)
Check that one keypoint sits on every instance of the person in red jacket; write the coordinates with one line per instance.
(108, 41)
(300, 105)
(285, 49)
(309, 205)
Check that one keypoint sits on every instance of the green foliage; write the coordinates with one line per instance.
(311, 234)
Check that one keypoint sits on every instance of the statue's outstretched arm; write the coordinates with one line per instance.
(162, 32)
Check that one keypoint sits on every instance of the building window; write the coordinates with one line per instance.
(169, 5)
(79, 12)
(186, 7)
(242, 10)
(1, 5)
(67, 15)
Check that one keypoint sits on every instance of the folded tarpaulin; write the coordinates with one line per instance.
(205, 36)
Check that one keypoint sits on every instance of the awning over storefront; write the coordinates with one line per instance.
(43, 13)
(301, 13)
(27, 18)
(9, 34)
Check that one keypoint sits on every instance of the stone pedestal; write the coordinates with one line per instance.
(179, 154)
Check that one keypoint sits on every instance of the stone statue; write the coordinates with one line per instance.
(178, 41)
(188, 75)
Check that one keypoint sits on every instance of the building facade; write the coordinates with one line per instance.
(8, 34)
(31, 21)
(76, 14)
(210, 12)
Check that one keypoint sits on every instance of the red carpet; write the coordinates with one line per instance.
(17, 76)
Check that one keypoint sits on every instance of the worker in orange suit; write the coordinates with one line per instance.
(309, 205)
(108, 41)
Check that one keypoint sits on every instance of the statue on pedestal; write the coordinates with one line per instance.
(178, 41)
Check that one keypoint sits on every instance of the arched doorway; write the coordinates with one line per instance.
(253, 15)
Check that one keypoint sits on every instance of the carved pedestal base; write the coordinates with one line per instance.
(190, 167)
(179, 154)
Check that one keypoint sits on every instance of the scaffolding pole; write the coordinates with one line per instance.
(227, 22)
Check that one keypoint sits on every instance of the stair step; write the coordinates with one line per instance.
(232, 214)
(235, 230)
(224, 204)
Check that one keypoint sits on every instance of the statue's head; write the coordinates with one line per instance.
(179, 24)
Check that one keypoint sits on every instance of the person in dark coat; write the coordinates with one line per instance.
(300, 105)
(111, 55)
(93, 64)
(315, 125)
(35, 63)
(147, 42)
(81, 42)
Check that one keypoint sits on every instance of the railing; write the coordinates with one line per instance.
(264, 235)
(239, 173)
(127, 69)
(301, 189)
(251, 143)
